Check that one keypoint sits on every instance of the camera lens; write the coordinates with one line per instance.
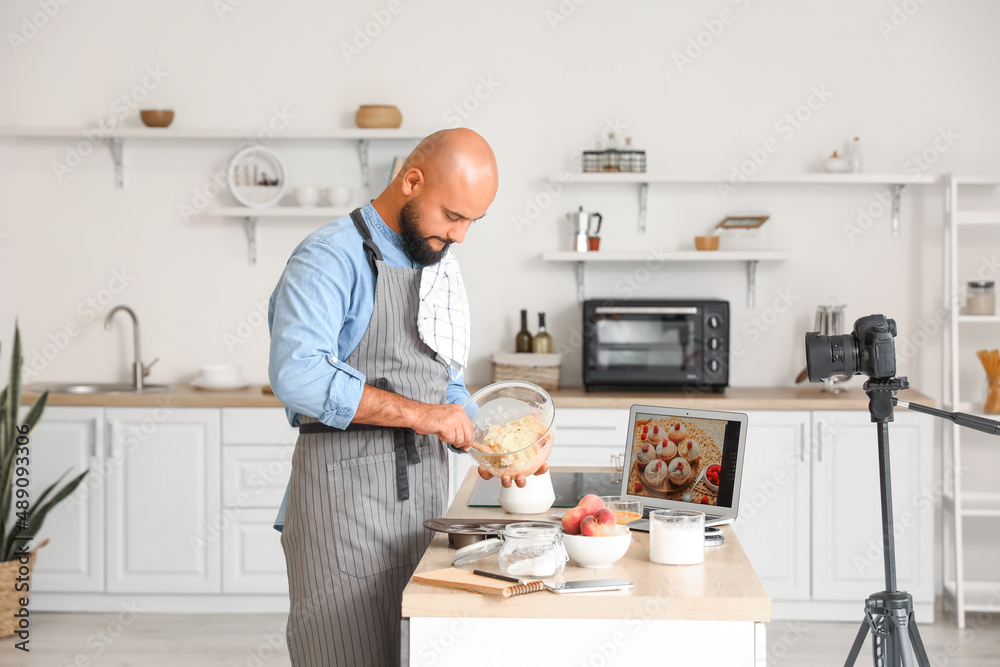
(827, 356)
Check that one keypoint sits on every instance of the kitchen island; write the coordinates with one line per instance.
(707, 614)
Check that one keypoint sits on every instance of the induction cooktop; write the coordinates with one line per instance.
(568, 486)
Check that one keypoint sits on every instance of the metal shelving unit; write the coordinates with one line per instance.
(963, 595)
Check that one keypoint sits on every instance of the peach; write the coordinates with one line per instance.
(591, 503)
(571, 520)
(601, 524)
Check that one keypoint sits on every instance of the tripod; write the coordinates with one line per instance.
(888, 613)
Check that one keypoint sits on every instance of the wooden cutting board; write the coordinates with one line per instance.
(453, 577)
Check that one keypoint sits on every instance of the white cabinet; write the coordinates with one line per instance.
(588, 437)
(810, 513)
(257, 448)
(163, 506)
(69, 439)
(254, 560)
(847, 519)
(774, 518)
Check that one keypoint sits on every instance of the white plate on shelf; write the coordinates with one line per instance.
(214, 386)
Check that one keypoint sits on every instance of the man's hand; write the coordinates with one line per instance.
(448, 422)
(519, 480)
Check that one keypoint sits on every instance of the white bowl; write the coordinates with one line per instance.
(306, 196)
(338, 196)
(595, 552)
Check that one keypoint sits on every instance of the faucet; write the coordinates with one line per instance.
(139, 369)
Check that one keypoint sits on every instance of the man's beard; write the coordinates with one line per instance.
(416, 247)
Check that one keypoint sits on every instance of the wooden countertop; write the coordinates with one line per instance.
(800, 397)
(723, 588)
(181, 395)
(803, 397)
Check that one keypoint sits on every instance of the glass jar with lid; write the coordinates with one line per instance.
(532, 550)
(980, 298)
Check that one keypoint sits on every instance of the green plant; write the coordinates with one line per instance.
(16, 522)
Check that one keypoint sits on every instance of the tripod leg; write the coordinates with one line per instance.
(918, 644)
(859, 641)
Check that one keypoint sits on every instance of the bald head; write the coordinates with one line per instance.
(448, 181)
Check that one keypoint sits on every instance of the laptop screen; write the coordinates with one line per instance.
(685, 459)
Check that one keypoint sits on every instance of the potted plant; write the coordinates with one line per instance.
(21, 510)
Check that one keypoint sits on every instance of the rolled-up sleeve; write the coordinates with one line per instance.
(309, 307)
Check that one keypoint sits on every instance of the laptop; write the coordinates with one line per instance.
(673, 455)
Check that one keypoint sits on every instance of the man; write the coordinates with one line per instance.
(369, 340)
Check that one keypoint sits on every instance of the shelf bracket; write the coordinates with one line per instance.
(117, 150)
(897, 189)
(581, 284)
(363, 156)
(250, 224)
(751, 283)
(643, 205)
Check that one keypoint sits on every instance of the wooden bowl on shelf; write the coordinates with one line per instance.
(156, 117)
(706, 242)
(378, 116)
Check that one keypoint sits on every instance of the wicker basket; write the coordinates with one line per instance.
(10, 597)
(541, 369)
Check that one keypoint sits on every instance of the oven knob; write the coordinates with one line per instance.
(714, 321)
(713, 365)
(714, 344)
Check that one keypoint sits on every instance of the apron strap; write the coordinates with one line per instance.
(404, 443)
(372, 251)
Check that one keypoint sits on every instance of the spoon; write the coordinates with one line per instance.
(687, 496)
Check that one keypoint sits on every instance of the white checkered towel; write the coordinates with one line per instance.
(443, 315)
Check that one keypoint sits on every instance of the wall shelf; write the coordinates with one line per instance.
(252, 215)
(751, 257)
(895, 182)
(117, 137)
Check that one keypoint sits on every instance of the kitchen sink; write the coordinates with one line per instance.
(96, 388)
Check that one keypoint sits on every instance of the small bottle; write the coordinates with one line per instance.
(855, 156)
(522, 343)
(542, 342)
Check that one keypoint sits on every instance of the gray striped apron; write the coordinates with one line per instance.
(358, 497)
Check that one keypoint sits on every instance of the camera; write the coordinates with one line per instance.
(868, 350)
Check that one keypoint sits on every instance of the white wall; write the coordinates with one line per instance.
(554, 86)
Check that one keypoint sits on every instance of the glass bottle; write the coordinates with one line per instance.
(855, 156)
(523, 341)
(542, 342)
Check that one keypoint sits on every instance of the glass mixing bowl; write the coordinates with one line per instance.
(494, 407)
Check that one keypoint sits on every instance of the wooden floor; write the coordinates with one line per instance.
(257, 640)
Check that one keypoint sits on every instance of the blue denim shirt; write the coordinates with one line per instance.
(317, 316)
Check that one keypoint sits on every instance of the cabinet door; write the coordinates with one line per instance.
(774, 516)
(69, 439)
(164, 518)
(847, 515)
(255, 475)
(253, 561)
(588, 437)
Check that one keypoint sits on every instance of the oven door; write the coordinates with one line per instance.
(645, 345)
